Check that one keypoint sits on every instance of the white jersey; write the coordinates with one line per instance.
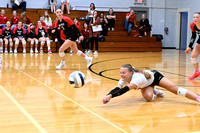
(139, 79)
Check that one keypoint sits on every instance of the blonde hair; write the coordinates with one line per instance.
(23, 17)
(132, 69)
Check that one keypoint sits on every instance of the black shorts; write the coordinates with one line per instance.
(157, 77)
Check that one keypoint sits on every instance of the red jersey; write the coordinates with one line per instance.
(19, 32)
(0, 33)
(62, 35)
(7, 32)
(15, 20)
(39, 31)
(31, 33)
(3, 19)
(132, 17)
(78, 24)
(84, 33)
(28, 20)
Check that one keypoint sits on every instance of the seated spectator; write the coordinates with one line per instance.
(111, 17)
(26, 21)
(90, 12)
(19, 4)
(19, 36)
(41, 33)
(94, 36)
(32, 38)
(85, 33)
(47, 21)
(3, 19)
(130, 21)
(65, 3)
(104, 25)
(42, 21)
(53, 5)
(144, 26)
(7, 36)
(77, 23)
(1, 42)
(14, 20)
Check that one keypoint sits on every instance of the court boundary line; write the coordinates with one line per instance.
(23, 110)
(83, 107)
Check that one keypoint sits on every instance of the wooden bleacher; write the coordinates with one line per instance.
(117, 40)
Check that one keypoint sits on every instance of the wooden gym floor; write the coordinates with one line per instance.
(35, 97)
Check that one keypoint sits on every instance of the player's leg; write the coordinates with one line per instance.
(16, 40)
(42, 42)
(31, 41)
(11, 44)
(48, 45)
(147, 93)
(36, 44)
(6, 45)
(23, 45)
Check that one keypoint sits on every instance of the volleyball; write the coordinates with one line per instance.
(77, 79)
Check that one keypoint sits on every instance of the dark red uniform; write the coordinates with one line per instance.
(31, 33)
(7, 32)
(15, 20)
(19, 33)
(39, 32)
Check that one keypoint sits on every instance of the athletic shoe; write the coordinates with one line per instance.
(194, 75)
(41, 51)
(95, 53)
(158, 93)
(71, 52)
(15, 51)
(36, 51)
(11, 51)
(61, 65)
(89, 61)
(6, 51)
(49, 52)
(31, 51)
(113, 29)
(136, 35)
(56, 39)
(24, 51)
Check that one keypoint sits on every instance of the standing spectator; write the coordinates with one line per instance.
(7, 36)
(19, 4)
(85, 33)
(77, 23)
(144, 26)
(90, 12)
(14, 20)
(19, 35)
(130, 21)
(94, 36)
(32, 38)
(111, 17)
(26, 21)
(41, 33)
(104, 23)
(3, 19)
(65, 3)
(53, 4)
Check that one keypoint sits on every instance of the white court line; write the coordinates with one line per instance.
(19, 106)
(73, 101)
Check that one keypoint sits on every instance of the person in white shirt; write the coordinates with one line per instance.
(145, 80)
(19, 4)
(65, 3)
(47, 20)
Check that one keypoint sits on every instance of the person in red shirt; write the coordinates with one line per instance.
(41, 33)
(14, 20)
(85, 33)
(31, 35)
(25, 20)
(19, 36)
(130, 21)
(3, 19)
(42, 21)
(7, 36)
(77, 23)
(72, 34)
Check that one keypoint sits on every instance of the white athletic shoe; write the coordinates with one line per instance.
(36, 51)
(24, 51)
(31, 51)
(158, 93)
(6, 51)
(61, 65)
(89, 61)
(71, 52)
(95, 53)
(15, 51)
(11, 51)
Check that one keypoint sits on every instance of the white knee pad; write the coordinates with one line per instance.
(48, 42)
(11, 43)
(16, 41)
(194, 60)
(62, 54)
(1, 40)
(23, 42)
(32, 42)
(6, 42)
(36, 41)
(79, 53)
(42, 43)
(181, 91)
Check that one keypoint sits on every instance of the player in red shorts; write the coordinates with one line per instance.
(72, 34)
(195, 53)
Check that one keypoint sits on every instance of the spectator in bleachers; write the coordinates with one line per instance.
(130, 21)
(14, 20)
(42, 21)
(32, 38)
(3, 19)
(47, 21)
(53, 4)
(90, 12)
(111, 17)
(104, 24)
(144, 26)
(85, 33)
(19, 36)
(77, 23)
(26, 21)
(1, 42)
(19, 4)
(65, 3)
(7, 36)
(94, 36)
(41, 33)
